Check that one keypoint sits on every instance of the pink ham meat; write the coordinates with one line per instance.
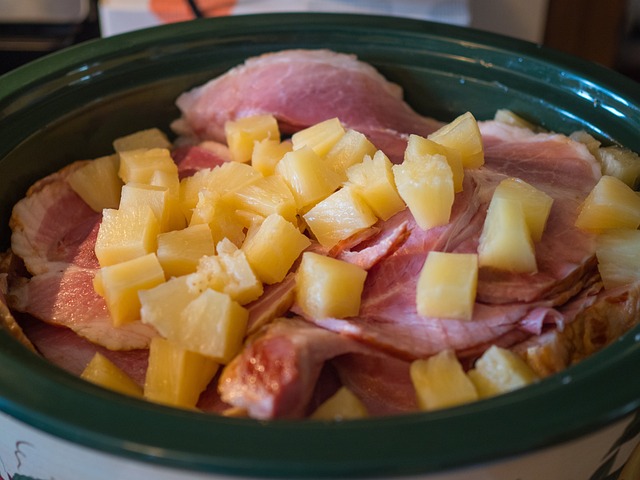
(301, 88)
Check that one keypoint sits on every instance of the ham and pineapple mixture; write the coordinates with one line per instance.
(296, 354)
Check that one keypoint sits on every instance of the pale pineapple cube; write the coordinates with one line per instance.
(135, 195)
(190, 188)
(485, 387)
(511, 118)
(621, 163)
(267, 153)
(373, 181)
(228, 272)
(213, 325)
(447, 285)
(440, 382)
(339, 216)
(149, 138)
(536, 204)
(505, 242)
(232, 176)
(140, 165)
(610, 204)
(328, 287)
(176, 376)
(242, 133)
(504, 369)
(349, 150)
(308, 176)
(126, 234)
(165, 302)
(274, 247)
(342, 405)
(320, 137)
(176, 218)
(122, 282)
(420, 147)
(426, 186)
(179, 251)
(618, 253)
(266, 196)
(216, 211)
(97, 183)
(592, 144)
(103, 372)
(463, 135)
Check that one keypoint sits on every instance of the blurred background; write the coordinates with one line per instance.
(606, 32)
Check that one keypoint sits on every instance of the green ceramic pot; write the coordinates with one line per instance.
(580, 424)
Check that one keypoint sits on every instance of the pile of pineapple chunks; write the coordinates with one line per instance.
(187, 256)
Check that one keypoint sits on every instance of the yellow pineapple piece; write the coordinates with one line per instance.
(242, 133)
(511, 118)
(484, 386)
(342, 405)
(328, 287)
(271, 260)
(97, 182)
(232, 176)
(618, 253)
(349, 150)
(176, 376)
(504, 370)
(610, 204)
(126, 234)
(179, 251)
(102, 371)
(308, 176)
(420, 147)
(536, 204)
(505, 242)
(447, 285)
(140, 165)
(228, 272)
(135, 195)
(372, 179)
(320, 137)
(620, 163)
(121, 283)
(266, 196)
(267, 153)
(165, 302)
(190, 189)
(176, 219)
(440, 382)
(463, 135)
(426, 186)
(150, 138)
(221, 216)
(339, 216)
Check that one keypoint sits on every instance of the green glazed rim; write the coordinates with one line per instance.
(561, 92)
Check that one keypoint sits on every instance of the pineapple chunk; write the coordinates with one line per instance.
(611, 204)
(272, 260)
(504, 370)
(441, 382)
(241, 134)
(150, 138)
(176, 219)
(510, 118)
(320, 137)
(165, 302)
(536, 205)
(121, 283)
(220, 215)
(179, 251)
(464, 136)
(328, 287)
(140, 165)
(621, 163)
(347, 151)
(426, 186)
(419, 147)
(505, 242)
(102, 371)
(373, 181)
(339, 216)
(176, 376)
(228, 272)
(308, 176)
(484, 386)
(266, 196)
(97, 183)
(267, 153)
(126, 234)
(342, 405)
(134, 195)
(231, 176)
(447, 285)
(618, 253)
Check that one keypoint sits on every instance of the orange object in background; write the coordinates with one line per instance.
(179, 10)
